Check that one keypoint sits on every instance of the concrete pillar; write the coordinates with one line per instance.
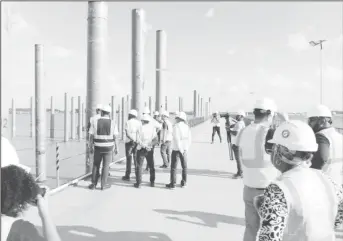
(128, 106)
(14, 113)
(138, 21)
(118, 120)
(79, 119)
(201, 108)
(195, 108)
(209, 106)
(66, 114)
(113, 111)
(96, 58)
(82, 119)
(166, 103)
(72, 123)
(52, 118)
(32, 118)
(198, 104)
(40, 115)
(161, 64)
(179, 104)
(123, 117)
(150, 104)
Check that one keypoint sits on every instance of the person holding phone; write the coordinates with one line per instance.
(19, 190)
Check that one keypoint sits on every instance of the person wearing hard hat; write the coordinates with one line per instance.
(166, 139)
(95, 117)
(157, 126)
(216, 126)
(132, 128)
(157, 118)
(147, 138)
(238, 127)
(329, 156)
(9, 155)
(257, 168)
(180, 146)
(303, 203)
(103, 135)
(228, 134)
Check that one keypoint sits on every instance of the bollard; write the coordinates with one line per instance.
(57, 164)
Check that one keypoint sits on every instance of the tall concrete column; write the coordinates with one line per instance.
(128, 106)
(72, 115)
(161, 65)
(66, 114)
(201, 108)
(14, 113)
(150, 104)
(96, 59)
(82, 119)
(40, 115)
(209, 105)
(198, 104)
(113, 111)
(180, 104)
(138, 21)
(166, 103)
(123, 117)
(52, 118)
(118, 121)
(32, 118)
(79, 119)
(195, 108)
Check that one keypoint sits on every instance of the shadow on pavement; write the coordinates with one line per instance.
(209, 219)
(83, 233)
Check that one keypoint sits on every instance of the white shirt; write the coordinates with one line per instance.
(132, 127)
(181, 137)
(215, 121)
(93, 119)
(157, 125)
(147, 133)
(239, 126)
(167, 132)
(9, 155)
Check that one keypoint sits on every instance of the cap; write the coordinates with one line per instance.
(99, 106)
(319, 111)
(165, 113)
(146, 110)
(133, 112)
(241, 112)
(145, 117)
(265, 104)
(107, 109)
(182, 116)
(156, 113)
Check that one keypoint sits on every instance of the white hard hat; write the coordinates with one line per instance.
(241, 112)
(146, 110)
(107, 109)
(156, 113)
(99, 106)
(182, 116)
(296, 135)
(165, 113)
(9, 155)
(320, 111)
(133, 112)
(145, 117)
(265, 104)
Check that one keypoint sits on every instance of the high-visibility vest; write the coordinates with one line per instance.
(256, 162)
(334, 166)
(103, 134)
(312, 204)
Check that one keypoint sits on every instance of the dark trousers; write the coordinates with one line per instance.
(216, 129)
(165, 152)
(106, 159)
(238, 159)
(130, 149)
(141, 155)
(151, 155)
(175, 157)
(228, 133)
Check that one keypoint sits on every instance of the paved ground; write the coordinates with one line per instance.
(210, 208)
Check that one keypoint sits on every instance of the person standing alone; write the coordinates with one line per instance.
(216, 126)
(103, 138)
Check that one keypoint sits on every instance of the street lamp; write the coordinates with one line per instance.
(313, 44)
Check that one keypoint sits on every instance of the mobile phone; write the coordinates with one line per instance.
(42, 191)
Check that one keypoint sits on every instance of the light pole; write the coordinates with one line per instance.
(313, 44)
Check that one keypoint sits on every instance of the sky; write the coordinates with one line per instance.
(233, 52)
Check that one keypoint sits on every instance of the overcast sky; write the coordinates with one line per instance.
(224, 50)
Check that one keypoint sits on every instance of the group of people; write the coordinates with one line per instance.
(141, 137)
(292, 174)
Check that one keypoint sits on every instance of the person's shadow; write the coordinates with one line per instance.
(83, 233)
(209, 219)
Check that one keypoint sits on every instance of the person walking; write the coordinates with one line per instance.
(103, 135)
(228, 134)
(216, 126)
(329, 156)
(256, 165)
(132, 128)
(147, 138)
(166, 138)
(238, 127)
(303, 203)
(180, 146)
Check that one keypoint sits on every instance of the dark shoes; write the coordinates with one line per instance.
(106, 186)
(170, 186)
(238, 175)
(137, 185)
(125, 178)
(152, 184)
(183, 183)
(92, 186)
(164, 166)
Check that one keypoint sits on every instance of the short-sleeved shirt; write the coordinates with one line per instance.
(132, 127)
(24, 231)
(239, 126)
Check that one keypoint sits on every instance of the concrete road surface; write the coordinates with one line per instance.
(210, 208)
